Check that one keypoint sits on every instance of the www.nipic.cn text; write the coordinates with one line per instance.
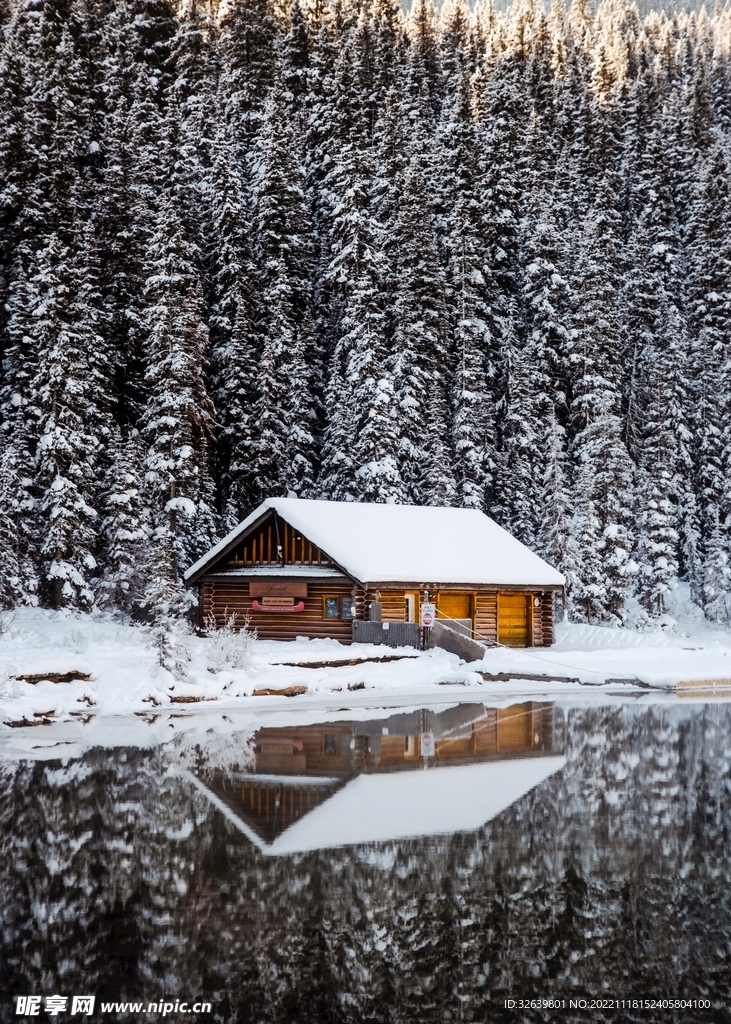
(32, 1006)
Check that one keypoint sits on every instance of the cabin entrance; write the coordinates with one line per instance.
(513, 620)
(411, 607)
(456, 610)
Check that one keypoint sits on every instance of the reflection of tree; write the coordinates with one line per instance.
(117, 877)
(118, 951)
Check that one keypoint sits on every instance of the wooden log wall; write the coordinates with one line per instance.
(485, 618)
(544, 621)
(223, 597)
(394, 605)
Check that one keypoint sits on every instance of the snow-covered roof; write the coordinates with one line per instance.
(404, 805)
(377, 543)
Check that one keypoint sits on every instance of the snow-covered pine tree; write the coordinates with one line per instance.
(13, 587)
(177, 422)
(248, 33)
(422, 30)
(439, 487)
(472, 426)
(154, 24)
(419, 361)
(236, 367)
(716, 576)
(522, 410)
(125, 533)
(283, 451)
(547, 303)
(709, 300)
(588, 597)
(365, 417)
(556, 539)
(70, 389)
(598, 448)
(19, 413)
(456, 56)
(294, 59)
(659, 490)
(131, 181)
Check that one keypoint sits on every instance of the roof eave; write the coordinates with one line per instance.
(466, 584)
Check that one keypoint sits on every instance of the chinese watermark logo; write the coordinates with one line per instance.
(30, 1006)
(83, 1004)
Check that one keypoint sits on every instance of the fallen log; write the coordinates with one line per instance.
(55, 677)
(342, 663)
(190, 700)
(288, 691)
(25, 722)
(507, 677)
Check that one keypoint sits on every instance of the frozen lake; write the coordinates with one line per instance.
(412, 864)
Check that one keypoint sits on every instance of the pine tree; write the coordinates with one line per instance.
(13, 586)
(71, 381)
(419, 351)
(709, 301)
(716, 577)
(519, 506)
(662, 468)
(472, 424)
(248, 37)
(177, 423)
(283, 449)
(365, 417)
(124, 530)
(20, 414)
(557, 539)
(598, 446)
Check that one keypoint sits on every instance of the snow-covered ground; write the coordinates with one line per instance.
(126, 677)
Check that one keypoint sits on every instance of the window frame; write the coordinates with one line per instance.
(346, 600)
(325, 599)
(330, 736)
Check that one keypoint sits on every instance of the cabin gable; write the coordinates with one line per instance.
(271, 541)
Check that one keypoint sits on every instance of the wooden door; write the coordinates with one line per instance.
(411, 607)
(513, 728)
(513, 620)
(456, 609)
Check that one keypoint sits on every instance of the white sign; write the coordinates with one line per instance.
(428, 614)
(427, 744)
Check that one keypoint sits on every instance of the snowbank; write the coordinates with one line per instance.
(125, 675)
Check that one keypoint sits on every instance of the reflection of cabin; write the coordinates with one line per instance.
(308, 568)
(298, 770)
(461, 733)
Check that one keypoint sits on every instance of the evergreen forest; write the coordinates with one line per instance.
(451, 257)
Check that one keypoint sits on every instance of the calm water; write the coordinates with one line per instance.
(332, 872)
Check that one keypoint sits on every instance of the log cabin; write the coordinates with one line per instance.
(312, 568)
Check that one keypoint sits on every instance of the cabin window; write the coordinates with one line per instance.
(330, 744)
(409, 746)
(331, 607)
(347, 607)
(410, 608)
